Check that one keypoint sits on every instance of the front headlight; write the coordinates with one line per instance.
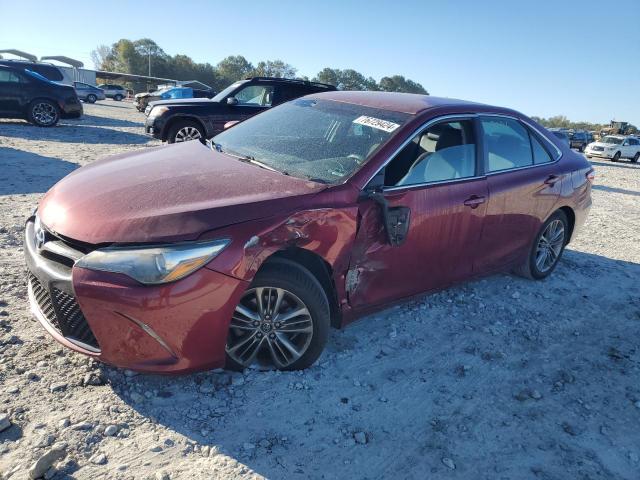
(157, 111)
(154, 265)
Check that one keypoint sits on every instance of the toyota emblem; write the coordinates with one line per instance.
(40, 237)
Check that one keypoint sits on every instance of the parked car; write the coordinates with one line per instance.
(117, 92)
(47, 70)
(88, 93)
(198, 119)
(307, 216)
(29, 95)
(580, 140)
(615, 147)
(141, 100)
(562, 135)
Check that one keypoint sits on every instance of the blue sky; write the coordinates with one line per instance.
(577, 58)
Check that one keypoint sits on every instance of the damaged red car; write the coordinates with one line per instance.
(245, 252)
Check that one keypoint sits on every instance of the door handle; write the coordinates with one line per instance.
(474, 201)
(552, 180)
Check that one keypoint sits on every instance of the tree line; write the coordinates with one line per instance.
(560, 121)
(145, 57)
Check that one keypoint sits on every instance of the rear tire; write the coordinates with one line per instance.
(184, 131)
(91, 98)
(304, 288)
(118, 97)
(533, 268)
(43, 113)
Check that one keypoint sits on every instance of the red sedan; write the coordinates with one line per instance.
(245, 252)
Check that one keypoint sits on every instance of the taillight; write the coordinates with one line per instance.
(591, 175)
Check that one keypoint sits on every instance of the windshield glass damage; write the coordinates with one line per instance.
(322, 140)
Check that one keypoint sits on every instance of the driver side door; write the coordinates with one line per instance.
(249, 101)
(436, 188)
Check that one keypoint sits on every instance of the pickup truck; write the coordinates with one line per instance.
(615, 147)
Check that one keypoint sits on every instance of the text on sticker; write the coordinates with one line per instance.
(376, 123)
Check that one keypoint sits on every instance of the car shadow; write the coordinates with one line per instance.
(624, 191)
(439, 377)
(94, 120)
(26, 172)
(68, 132)
(635, 166)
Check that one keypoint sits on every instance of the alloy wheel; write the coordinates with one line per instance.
(187, 133)
(44, 113)
(550, 246)
(271, 327)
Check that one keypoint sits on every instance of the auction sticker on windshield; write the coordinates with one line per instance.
(376, 123)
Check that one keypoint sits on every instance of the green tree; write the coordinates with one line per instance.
(274, 68)
(397, 83)
(232, 69)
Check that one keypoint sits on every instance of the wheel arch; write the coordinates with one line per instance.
(179, 118)
(318, 267)
(571, 218)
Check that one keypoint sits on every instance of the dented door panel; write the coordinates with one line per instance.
(439, 248)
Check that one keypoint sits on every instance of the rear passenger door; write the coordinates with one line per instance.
(524, 185)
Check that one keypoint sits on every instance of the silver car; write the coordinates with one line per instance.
(88, 93)
(117, 92)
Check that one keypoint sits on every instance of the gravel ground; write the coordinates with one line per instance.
(501, 378)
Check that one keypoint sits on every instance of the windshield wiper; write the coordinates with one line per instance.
(244, 158)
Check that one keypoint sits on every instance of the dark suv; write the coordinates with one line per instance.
(29, 95)
(47, 70)
(580, 140)
(197, 119)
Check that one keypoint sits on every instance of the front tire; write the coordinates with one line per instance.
(615, 157)
(185, 131)
(118, 97)
(282, 320)
(43, 113)
(91, 98)
(547, 248)
(635, 158)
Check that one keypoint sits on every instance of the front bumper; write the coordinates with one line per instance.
(172, 328)
(598, 153)
(154, 127)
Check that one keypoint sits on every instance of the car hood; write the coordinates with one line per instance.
(166, 194)
(142, 95)
(600, 144)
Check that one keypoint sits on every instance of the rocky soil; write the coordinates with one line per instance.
(501, 378)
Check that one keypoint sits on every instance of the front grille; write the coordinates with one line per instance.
(597, 149)
(63, 313)
(43, 299)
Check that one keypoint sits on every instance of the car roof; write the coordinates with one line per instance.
(411, 103)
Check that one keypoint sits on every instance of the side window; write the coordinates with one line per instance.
(9, 76)
(540, 154)
(445, 151)
(258, 95)
(507, 144)
(633, 141)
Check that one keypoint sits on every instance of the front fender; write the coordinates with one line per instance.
(327, 232)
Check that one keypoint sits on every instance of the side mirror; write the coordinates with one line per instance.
(230, 124)
(232, 101)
